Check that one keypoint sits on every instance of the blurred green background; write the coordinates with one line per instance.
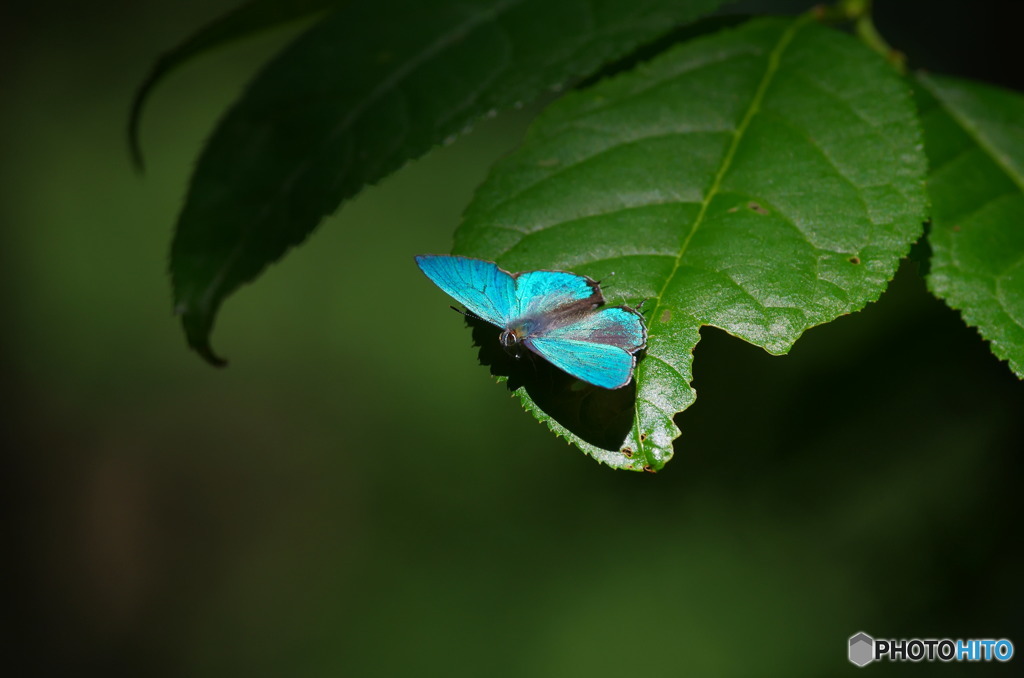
(354, 496)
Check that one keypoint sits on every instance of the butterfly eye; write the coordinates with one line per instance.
(512, 343)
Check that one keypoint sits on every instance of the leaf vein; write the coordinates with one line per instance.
(669, 365)
(613, 145)
(967, 216)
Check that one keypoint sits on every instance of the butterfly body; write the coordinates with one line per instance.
(557, 315)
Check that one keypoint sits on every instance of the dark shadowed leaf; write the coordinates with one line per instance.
(975, 141)
(366, 89)
(763, 180)
(246, 20)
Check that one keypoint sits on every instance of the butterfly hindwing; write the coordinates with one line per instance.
(598, 347)
(614, 326)
(599, 364)
(481, 286)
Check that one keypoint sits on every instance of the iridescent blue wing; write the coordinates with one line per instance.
(483, 288)
(547, 292)
(598, 347)
(599, 364)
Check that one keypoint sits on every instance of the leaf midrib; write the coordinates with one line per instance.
(737, 136)
(774, 58)
(975, 134)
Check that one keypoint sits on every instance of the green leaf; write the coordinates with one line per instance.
(369, 87)
(763, 180)
(975, 142)
(251, 18)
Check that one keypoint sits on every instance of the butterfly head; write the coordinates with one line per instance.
(511, 340)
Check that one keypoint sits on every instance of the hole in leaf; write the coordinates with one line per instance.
(628, 452)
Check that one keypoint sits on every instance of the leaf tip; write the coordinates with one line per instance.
(134, 121)
(197, 328)
(205, 351)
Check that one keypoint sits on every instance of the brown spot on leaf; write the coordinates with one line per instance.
(956, 228)
(649, 469)
(756, 207)
(666, 315)
(854, 260)
(548, 162)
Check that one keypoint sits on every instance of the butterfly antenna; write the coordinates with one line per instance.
(468, 314)
(610, 275)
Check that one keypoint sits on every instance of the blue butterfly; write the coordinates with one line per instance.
(555, 314)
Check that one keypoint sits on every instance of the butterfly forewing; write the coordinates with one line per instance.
(481, 286)
(549, 293)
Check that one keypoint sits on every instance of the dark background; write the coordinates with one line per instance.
(353, 496)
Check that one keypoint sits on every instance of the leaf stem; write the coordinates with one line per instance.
(859, 12)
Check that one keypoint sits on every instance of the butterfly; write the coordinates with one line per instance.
(558, 315)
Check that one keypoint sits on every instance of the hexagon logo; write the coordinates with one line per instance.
(862, 649)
